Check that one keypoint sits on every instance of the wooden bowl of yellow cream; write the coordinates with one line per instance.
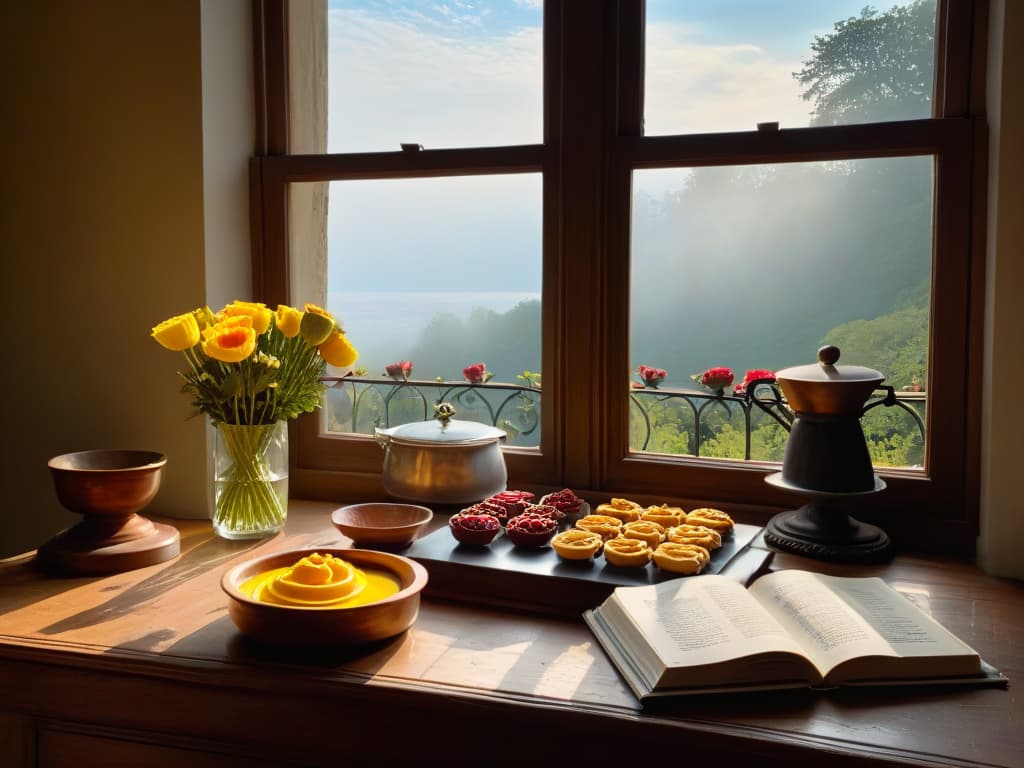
(325, 597)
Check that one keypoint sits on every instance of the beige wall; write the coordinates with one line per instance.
(1001, 544)
(102, 236)
(119, 146)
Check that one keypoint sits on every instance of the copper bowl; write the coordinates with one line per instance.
(107, 482)
(381, 523)
(108, 488)
(306, 627)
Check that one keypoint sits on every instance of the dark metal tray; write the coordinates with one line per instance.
(538, 581)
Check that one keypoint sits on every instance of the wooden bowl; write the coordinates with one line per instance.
(108, 483)
(381, 524)
(108, 488)
(306, 627)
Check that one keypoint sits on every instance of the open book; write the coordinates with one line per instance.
(789, 629)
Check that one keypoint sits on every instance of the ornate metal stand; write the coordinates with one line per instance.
(821, 530)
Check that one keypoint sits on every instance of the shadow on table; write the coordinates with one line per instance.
(210, 553)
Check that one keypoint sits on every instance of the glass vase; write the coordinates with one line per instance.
(250, 479)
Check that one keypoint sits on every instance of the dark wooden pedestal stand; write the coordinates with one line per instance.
(108, 488)
(95, 547)
(822, 530)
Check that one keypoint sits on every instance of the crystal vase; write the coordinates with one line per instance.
(250, 480)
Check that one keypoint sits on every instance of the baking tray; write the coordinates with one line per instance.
(538, 581)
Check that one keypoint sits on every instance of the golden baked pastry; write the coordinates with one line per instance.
(577, 544)
(664, 515)
(715, 519)
(681, 558)
(645, 530)
(700, 535)
(627, 552)
(605, 526)
(624, 509)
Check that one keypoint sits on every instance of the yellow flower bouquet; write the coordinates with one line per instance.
(251, 370)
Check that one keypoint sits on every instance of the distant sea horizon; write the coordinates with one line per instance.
(387, 322)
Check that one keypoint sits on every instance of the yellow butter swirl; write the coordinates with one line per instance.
(320, 581)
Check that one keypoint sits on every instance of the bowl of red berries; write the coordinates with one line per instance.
(475, 530)
(530, 530)
(565, 501)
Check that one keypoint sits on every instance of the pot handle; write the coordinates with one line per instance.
(383, 437)
(889, 399)
(773, 406)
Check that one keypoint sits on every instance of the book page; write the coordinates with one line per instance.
(828, 631)
(918, 640)
(701, 621)
(837, 620)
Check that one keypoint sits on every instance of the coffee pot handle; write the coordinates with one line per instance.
(773, 405)
(889, 399)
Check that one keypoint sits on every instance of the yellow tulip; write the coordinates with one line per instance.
(338, 350)
(288, 320)
(230, 343)
(238, 321)
(177, 334)
(258, 311)
(316, 325)
(204, 317)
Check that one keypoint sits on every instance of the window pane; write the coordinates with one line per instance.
(441, 75)
(443, 273)
(726, 66)
(755, 267)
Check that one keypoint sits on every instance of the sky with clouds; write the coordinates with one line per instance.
(468, 73)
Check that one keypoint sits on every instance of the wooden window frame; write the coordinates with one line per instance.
(592, 142)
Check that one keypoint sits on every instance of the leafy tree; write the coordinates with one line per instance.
(753, 266)
(895, 343)
(669, 423)
(768, 442)
(893, 437)
(508, 342)
(873, 67)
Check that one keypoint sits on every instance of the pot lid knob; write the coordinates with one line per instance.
(828, 355)
(443, 412)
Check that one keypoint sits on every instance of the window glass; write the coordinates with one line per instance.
(755, 267)
(437, 74)
(443, 274)
(742, 259)
(730, 64)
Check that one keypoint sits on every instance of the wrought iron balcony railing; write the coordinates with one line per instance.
(665, 420)
(359, 404)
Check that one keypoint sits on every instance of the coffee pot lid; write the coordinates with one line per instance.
(826, 370)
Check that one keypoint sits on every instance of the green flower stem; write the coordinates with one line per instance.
(247, 503)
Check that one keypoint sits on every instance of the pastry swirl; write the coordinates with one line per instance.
(681, 558)
(700, 535)
(624, 509)
(715, 519)
(605, 526)
(623, 551)
(645, 530)
(577, 544)
(664, 515)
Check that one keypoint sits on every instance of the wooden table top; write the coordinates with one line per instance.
(170, 621)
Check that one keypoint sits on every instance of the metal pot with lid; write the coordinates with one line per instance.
(827, 389)
(443, 461)
(826, 458)
(824, 402)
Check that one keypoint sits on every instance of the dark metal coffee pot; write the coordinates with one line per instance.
(826, 457)
(826, 450)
